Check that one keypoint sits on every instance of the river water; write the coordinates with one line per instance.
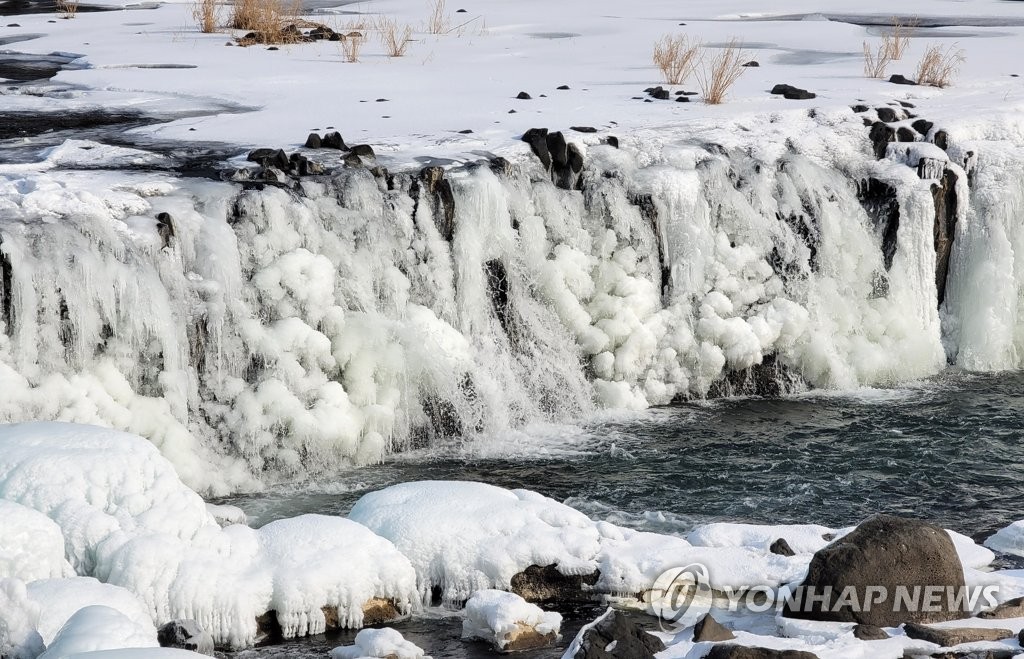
(945, 450)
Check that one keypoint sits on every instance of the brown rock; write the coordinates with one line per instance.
(547, 584)
(947, 637)
(1009, 609)
(782, 548)
(709, 629)
(379, 610)
(527, 638)
(730, 651)
(869, 633)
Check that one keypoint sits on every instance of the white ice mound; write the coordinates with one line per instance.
(100, 486)
(31, 545)
(323, 561)
(464, 536)
(128, 521)
(98, 627)
(631, 562)
(379, 644)
(1008, 540)
(59, 599)
(501, 618)
(19, 617)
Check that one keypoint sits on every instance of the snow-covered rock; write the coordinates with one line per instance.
(31, 545)
(99, 627)
(464, 536)
(383, 643)
(19, 617)
(509, 622)
(59, 599)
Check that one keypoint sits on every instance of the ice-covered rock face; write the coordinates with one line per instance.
(31, 545)
(279, 331)
(509, 622)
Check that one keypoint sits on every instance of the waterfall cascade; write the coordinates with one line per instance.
(274, 330)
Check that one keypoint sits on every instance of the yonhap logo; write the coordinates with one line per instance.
(681, 596)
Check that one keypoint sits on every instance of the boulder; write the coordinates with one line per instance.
(888, 115)
(888, 571)
(869, 633)
(333, 140)
(614, 627)
(508, 622)
(547, 584)
(782, 548)
(562, 87)
(659, 93)
(523, 96)
(682, 99)
(904, 134)
(947, 637)
(898, 79)
(709, 629)
(1009, 609)
(751, 63)
(313, 141)
(269, 158)
(730, 651)
(583, 129)
(185, 635)
(923, 126)
(364, 150)
(537, 138)
(880, 136)
(792, 93)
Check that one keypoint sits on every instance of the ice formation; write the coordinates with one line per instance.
(146, 545)
(498, 617)
(464, 536)
(383, 643)
(274, 332)
(94, 628)
(1008, 540)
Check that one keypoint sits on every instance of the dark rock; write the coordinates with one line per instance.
(947, 637)
(333, 140)
(629, 639)
(782, 548)
(799, 95)
(899, 558)
(381, 100)
(575, 158)
(941, 139)
(364, 150)
(709, 629)
(467, 131)
(883, 207)
(523, 96)
(511, 111)
(13, 25)
(769, 379)
(547, 584)
(888, 115)
(1009, 609)
(269, 158)
(431, 187)
(906, 104)
(904, 134)
(859, 108)
(583, 129)
(898, 79)
(460, 11)
(558, 149)
(313, 141)
(686, 93)
(647, 100)
(946, 202)
(730, 651)
(537, 139)
(869, 633)
(682, 99)
(923, 126)
(782, 88)
(353, 160)
(562, 87)
(165, 228)
(185, 635)
(611, 140)
(752, 63)
(501, 166)
(660, 94)
(299, 164)
(273, 48)
(880, 136)
(498, 291)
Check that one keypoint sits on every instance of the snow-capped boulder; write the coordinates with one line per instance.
(508, 622)
(379, 644)
(99, 627)
(613, 634)
(463, 536)
(31, 545)
(58, 600)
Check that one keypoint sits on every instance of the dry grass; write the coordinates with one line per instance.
(898, 40)
(394, 37)
(438, 20)
(875, 62)
(352, 45)
(939, 65)
(675, 56)
(717, 75)
(67, 8)
(272, 21)
(206, 14)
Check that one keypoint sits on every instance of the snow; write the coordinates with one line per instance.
(383, 643)
(94, 628)
(31, 545)
(802, 538)
(465, 536)
(497, 616)
(147, 546)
